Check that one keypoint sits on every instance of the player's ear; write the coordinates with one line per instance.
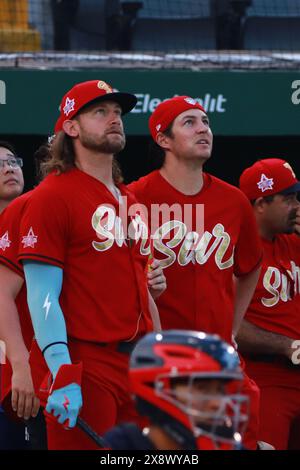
(259, 204)
(70, 127)
(163, 141)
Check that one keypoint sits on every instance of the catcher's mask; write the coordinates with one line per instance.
(188, 383)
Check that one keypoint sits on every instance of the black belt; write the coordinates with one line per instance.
(125, 347)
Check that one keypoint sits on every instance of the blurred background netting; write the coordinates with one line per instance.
(251, 34)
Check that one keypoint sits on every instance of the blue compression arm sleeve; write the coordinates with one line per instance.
(44, 283)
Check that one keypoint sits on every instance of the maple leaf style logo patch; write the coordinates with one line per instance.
(30, 239)
(4, 242)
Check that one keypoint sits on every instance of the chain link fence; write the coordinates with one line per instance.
(193, 34)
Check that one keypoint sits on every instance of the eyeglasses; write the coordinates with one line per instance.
(14, 162)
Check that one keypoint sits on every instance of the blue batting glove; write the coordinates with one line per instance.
(65, 404)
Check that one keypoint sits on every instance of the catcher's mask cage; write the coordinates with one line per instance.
(197, 415)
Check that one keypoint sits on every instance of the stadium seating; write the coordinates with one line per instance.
(90, 29)
(162, 25)
(15, 32)
(273, 25)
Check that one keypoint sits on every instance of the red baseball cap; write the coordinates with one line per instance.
(85, 93)
(165, 113)
(267, 177)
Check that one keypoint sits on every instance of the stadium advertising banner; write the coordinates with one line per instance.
(238, 103)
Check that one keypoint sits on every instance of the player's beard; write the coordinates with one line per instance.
(290, 225)
(108, 143)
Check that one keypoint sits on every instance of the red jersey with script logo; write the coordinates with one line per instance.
(206, 239)
(275, 305)
(74, 222)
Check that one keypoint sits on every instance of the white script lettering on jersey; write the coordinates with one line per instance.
(111, 228)
(279, 285)
(194, 247)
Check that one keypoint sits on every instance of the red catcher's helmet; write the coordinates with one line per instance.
(160, 361)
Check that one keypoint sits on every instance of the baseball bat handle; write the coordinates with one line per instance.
(85, 427)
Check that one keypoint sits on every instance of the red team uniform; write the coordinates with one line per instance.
(275, 307)
(200, 289)
(9, 244)
(200, 292)
(73, 221)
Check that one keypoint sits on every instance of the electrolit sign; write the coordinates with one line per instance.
(212, 104)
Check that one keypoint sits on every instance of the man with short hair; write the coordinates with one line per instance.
(218, 240)
(270, 333)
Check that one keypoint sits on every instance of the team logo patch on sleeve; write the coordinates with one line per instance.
(30, 239)
(265, 183)
(4, 242)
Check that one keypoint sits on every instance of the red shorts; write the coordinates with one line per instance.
(251, 390)
(39, 370)
(5, 380)
(279, 404)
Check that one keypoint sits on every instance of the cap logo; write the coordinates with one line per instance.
(288, 166)
(158, 127)
(104, 86)
(190, 101)
(69, 106)
(265, 183)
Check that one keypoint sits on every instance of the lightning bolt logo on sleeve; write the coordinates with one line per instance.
(47, 306)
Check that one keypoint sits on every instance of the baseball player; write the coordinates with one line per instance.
(186, 383)
(85, 269)
(209, 235)
(16, 328)
(21, 376)
(272, 321)
(11, 186)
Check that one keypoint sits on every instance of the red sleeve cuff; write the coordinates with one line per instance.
(66, 375)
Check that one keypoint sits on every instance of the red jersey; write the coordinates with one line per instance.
(214, 237)
(9, 243)
(275, 305)
(74, 222)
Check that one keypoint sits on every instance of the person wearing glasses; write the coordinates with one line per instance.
(13, 379)
(11, 175)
